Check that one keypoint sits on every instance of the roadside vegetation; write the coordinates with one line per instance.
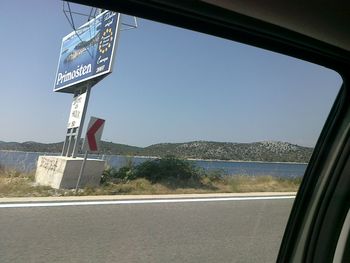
(17, 184)
(168, 175)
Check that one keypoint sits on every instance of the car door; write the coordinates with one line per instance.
(318, 226)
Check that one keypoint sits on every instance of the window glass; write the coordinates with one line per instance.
(207, 137)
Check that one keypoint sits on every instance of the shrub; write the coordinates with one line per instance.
(107, 175)
(124, 174)
(166, 168)
(215, 175)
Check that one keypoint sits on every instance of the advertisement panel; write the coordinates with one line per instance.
(87, 53)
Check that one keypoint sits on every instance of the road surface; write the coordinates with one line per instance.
(219, 231)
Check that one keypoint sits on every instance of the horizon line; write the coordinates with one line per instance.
(209, 141)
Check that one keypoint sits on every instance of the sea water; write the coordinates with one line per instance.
(26, 162)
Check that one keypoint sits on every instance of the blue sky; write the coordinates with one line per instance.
(168, 85)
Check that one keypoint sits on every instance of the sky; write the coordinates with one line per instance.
(168, 85)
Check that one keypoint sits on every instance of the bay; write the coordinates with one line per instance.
(26, 162)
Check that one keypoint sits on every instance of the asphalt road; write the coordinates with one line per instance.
(223, 231)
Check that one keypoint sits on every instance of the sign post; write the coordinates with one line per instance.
(91, 142)
(81, 171)
(75, 122)
(86, 57)
(76, 111)
(81, 124)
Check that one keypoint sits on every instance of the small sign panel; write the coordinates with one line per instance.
(88, 52)
(93, 134)
(76, 111)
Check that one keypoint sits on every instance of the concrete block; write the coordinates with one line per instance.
(61, 172)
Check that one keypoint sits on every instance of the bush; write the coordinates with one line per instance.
(173, 170)
(124, 174)
(215, 175)
(166, 168)
(107, 175)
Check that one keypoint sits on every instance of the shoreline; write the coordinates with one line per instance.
(240, 161)
(157, 157)
(205, 160)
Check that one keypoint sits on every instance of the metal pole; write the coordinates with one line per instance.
(64, 149)
(80, 129)
(69, 147)
(81, 171)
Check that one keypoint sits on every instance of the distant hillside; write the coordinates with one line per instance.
(106, 147)
(120, 149)
(258, 151)
(31, 146)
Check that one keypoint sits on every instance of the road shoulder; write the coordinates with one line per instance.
(138, 197)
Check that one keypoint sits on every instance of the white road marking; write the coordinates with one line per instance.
(150, 201)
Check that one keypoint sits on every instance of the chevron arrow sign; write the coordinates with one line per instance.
(93, 134)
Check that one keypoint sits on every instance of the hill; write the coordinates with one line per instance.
(31, 146)
(268, 151)
(258, 151)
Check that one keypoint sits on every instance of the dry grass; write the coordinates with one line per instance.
(234, 184)
(243, 184)
(16, 184)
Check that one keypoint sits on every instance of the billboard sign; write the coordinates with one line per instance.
(76, 111)
(88, 52)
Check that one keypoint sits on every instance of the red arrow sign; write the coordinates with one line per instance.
(93, 134)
